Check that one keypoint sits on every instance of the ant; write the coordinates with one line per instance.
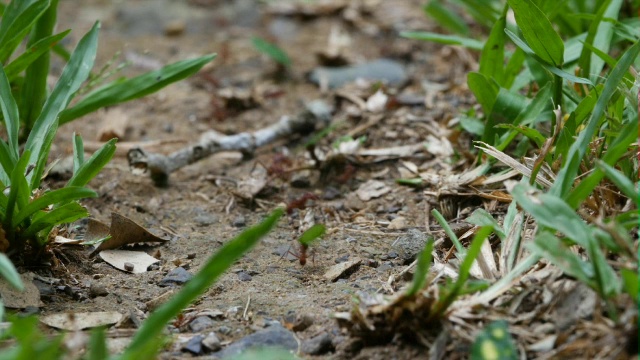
(301, 255)
(301, 202)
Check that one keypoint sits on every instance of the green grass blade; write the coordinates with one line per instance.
(481, 217)
(9, 273)
(78, 152)
(34, 92)
(73, 75)
(97, 345)
(10, 116)
(18, 181)
(61, 215)
(214, 268)
(16, 22)
(531, 133)
(484, 90)
(538, 31)
(90, 168)
(446, 18)
(32, 53)
(443, 39)
(463, 275)
(121, 91)
(312, 234)
(552, 212)
(6, 163)
(447, 230)
(600, 36)
(622, 182)
(272, 50)
(64, 195)
(422, 269)
(615, 150)
(548, 246)
(631, 283)
(578, 149)
(492, 56)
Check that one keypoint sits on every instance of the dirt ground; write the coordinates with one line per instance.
(198, 211)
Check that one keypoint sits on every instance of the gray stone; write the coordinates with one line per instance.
(96, 290)
(177, 276)
(205, 219)
(273, 336)
(194, 345)
(239, 221)
(409, 245)
(212, 342)
(243, 276)
(387, 71)
(201, 323)
(318, 345)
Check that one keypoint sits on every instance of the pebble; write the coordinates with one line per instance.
(243, 276)
(388, 71)
(342, 269)
(224, 330)
(96, 290)
(212, 342)
(274, 335)
(409, 245)
(201, 323)
(342, 259)
(194, 345)
(318, 345)
(301, 179)
(205, 219)
(398, 223)
(239, 221)
(331, 193)
(177, 276)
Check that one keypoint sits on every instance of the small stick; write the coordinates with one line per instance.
(159, 166)
(246, 308)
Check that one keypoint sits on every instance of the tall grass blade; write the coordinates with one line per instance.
(538, 31)
(422, 269)
(215, 266)
(91, 167)
(10, 116)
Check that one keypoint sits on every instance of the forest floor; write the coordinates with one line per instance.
(379, 225)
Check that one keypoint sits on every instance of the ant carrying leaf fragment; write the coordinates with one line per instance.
(307, 238)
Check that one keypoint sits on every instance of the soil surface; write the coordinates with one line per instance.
(200, 207)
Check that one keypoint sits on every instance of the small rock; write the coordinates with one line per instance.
(128, 266)
(353, 202)
(274, 335)
(177, 276)
(318, 345)
(372, 189)
(342, 259)
(409, 245)
(191, 256)
(96, 290)
(224, 330)
(201, 323)
(330, 193)
(243, 276)
(204, 219)
(194, 345)
(339, 270)
(239, 221)
(174, 28)
(212, 342)
(302, 322)
(398, 223)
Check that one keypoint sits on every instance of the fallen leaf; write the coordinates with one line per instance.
(16, 299)
(123, 231)
(377, 102)
(251, 186)
(79, 321)
(337, 271)
(118, 258)
(372, 189)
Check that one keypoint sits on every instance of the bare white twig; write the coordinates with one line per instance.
(159, 166)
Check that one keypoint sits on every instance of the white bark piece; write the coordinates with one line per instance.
(83, 320)
(159, 166)
(118, 258)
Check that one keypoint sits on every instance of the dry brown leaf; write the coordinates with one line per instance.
(372, 189)
(83, 320)
(123, 231)
(118, 258)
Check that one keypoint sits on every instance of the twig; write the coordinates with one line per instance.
(159, 166)
(246, 308)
